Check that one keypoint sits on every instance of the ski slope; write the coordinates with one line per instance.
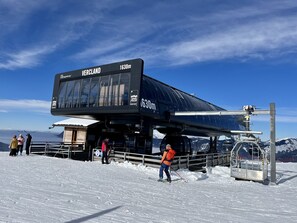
(46, 189)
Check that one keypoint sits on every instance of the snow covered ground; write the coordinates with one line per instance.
(46, 189)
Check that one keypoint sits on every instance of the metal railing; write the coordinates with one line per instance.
(192, 162)
(64, 150)
(197, 162)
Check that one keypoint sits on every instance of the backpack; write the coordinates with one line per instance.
(170, 155)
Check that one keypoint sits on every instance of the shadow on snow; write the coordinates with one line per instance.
(86, 218)
(284, 177)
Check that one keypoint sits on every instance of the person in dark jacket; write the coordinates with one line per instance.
(28, 143)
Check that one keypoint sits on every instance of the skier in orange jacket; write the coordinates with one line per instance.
(166, 161)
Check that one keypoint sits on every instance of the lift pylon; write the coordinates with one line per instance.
(247, 111)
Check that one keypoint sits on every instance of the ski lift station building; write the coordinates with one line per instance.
(128, 105)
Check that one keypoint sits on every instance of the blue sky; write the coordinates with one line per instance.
(230, 53)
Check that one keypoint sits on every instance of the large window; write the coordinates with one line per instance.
(69, 94)
(62, 92)
(94, 92)
(109, 90)
(124, 87)
(103, 96)
(113, 98)
(76, 91)
(85, 90)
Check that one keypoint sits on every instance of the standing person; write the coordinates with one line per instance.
(104, 150)
(166, 161)
(28, 143)
(13, 146)
(21, 141)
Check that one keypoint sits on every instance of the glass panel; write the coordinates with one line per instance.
(147, 89)
(85, 90)
(61, 97)
(182, 103)
(174, 98)
(167, 94)
(114, 90)
(161, 95)
(124, 87)
(103, 101)
(69, 94)
(76, 94)
(94, 91)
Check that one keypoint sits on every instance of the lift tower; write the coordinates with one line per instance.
(247, 111)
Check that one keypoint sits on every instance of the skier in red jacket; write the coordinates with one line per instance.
(104, 150)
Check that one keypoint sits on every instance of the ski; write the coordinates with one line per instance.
(164, 180)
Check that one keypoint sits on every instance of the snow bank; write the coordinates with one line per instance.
(45, 189)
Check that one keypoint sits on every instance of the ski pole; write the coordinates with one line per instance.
(180, 176)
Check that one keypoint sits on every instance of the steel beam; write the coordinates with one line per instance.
(220, 113)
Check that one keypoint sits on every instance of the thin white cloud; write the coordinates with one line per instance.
(259, 30)
(252, 40)
(208, 31)
(279, 119)
(283, 115)
(68, 27)
(38, 106)
(26, 58)
(286, 119)
(14, 13)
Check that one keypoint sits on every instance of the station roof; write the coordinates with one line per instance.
(76, 122)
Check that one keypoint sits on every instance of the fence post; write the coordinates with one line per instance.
(188, 161)
(124, 156)
(212, 160)
(179, 162)
(219, 159)
(69, 152)
(143, 160)
(45, 149)
(227, 160)
(208, 165)
(89, 156)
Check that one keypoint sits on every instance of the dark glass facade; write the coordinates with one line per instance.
(175, 99)
(103, 91)
(169, 99)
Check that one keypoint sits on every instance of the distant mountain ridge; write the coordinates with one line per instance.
(4, 147)
(286, 149)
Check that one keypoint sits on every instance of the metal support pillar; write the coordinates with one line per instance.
(272, 144)
(213, 144)
(210, 145)
(215, 141)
